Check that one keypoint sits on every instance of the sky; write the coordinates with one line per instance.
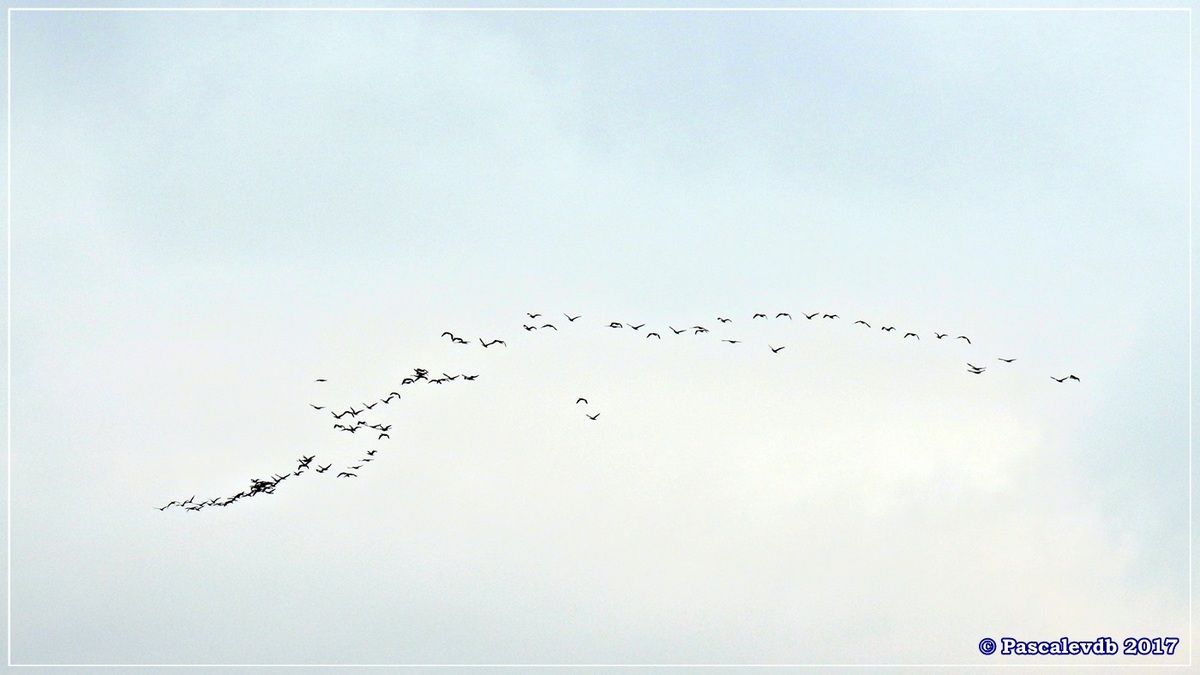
(212, 210)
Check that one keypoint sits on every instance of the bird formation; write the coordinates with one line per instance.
(347, 419)
(349, 422)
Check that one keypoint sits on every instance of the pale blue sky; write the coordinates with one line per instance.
(211, 209)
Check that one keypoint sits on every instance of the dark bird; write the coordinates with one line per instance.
(489, 344)
(323, 469)
(912, 334)
(356, 468)
(783, 314)
(165, 507)
(371, 453)
(829, 316)
(337, 416)
(346, 474)
(450, 377)
(975, 372)
(572, 318)
(1072, 377)
(810, 316)
(320, 379)
(452, 336)
(528, 327)
(616, 324)
(592, 417)
(652, 334)
(461, 341)
(939, 335)
(888, 328)
(318, 407)
(1059, 379)
(390, 395)
(759, 315)
(305, 461)
(963, 337)
(353, 412)
(366, 459)
(368, 407)
(383, 436)
(469, 377)
(723, 319)
(775, 350)
(532, 316)
(732, 342)
(700, 330)
(863, 323)
(581, 400)
(407, 380)
(974, 367)
(1007, 360)
(677, 332)
(550, 325)
(637, 326)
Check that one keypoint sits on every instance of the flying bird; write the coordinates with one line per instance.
(368, 407)
(592, 417)
(677, 332)
(888, 328)
(572, 318)
(783, 314)
(759, 315)
(1072, 377)
(469, 377)
(528, 327)
(616, 324)
(939, 335)
(1059, 379)
(863, 323)
(383, 436)
(1006, 360)
(581, 400)
(912, 334)
(829, 316)
(550, 325)
(345, 474)
(489, 344)
(320, 379)
(963, 337)
(323, 469)
(532, 316)
(775, 350)
(810, 316)
(723, 319)
(317, 407)
(652, 334)
(732, 342)
(637, 326)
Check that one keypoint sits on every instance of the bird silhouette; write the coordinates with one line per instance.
(888, 328)
(1072, 377)
(323, 469)
(368, 407)
(550, 325)
(346, 474)
(592, 417)
(528, 327)
(532, 316)
(963, 337)
(652, 334)
(489, 344)
(723, 319)
(677, 332)
(810, 316)
(637, 326)
(732, 342)
(912, 334)
(616, 324)
(1059, 379)
(572, 318)
(317, 407)
(581, 400)
(775, 350)
(939, 335)
(783, 314)
(1006, 360)
(863, 323)
(383, 436)
(829, 316)
(320, 379)
(469, 377)
(759, 315)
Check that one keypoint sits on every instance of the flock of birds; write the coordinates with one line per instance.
(348, 420)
